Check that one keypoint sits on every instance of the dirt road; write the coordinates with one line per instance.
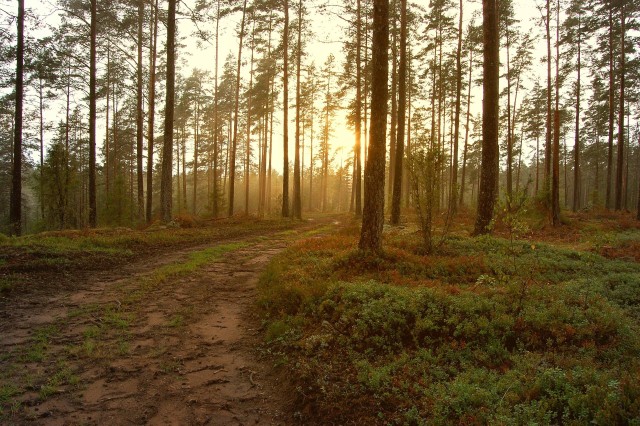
(153, 343)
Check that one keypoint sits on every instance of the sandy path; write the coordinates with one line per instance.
(186, 356)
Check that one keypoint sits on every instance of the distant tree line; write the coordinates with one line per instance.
(102, 122)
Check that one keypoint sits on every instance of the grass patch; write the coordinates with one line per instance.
(485, 331)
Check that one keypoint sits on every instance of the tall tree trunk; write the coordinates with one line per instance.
(555, 185)
(183, 140)
(285, 110)
(215, 117)
(166, 188)
(453, 200)
(297, 198)
(41, 185)
(509, 134)
(373, 212)
(620, 165)
(93, 211)
(15, 208)
(358, 118)
(548, 141)
(576, 146)
(488, 189)
(196, 152)
(466, 128)
(263, 173)
(394, 105)
(406, 180)
(153, 51)
(270, 175)
(234, 144)
(311, 159)
(638, 201)
(140, 117)
(402, 104)
(611, 112)
(107, 147)
(248, 141)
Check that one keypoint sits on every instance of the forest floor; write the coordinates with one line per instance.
(128, 327)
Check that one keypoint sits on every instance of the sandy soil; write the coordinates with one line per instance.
(189, 354)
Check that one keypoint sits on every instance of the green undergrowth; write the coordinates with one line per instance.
(485, 331)
(91, 249)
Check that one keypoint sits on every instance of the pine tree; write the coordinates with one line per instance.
(373, 212)
(488, 190)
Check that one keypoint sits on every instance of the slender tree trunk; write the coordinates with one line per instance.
(453, 200)
(466, 128)
(183, 140)
(366, 90)
(566, 179)
(373, 212)
(285, 110)
(152, 110)
(311, 159)
(555, 185)
(234, 144)
(41, 185)
(358, 118)
(140, 118)
(196, 152)
(548, 141)
(15, 208)
(166, 188)
(93, 212)
(270, 177)
(248, 141)
(297, 197)
(611, 112)
(488, 189)
(394, 106)
(406, 180)
(509, 134)
(638, 200)
(620, 165)
(216, 133)
(107, 146)
(576, 146)
(402, 103)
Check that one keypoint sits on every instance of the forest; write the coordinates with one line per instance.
(314, 212)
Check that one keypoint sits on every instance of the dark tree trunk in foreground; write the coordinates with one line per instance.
(93, 213)
(285, 109)
(488, 190)
(402, 104)
(373, 213)
(15, 213)
(166, 188)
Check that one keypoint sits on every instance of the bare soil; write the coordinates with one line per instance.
(187, 354)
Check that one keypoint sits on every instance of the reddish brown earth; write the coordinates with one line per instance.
(189, 354)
